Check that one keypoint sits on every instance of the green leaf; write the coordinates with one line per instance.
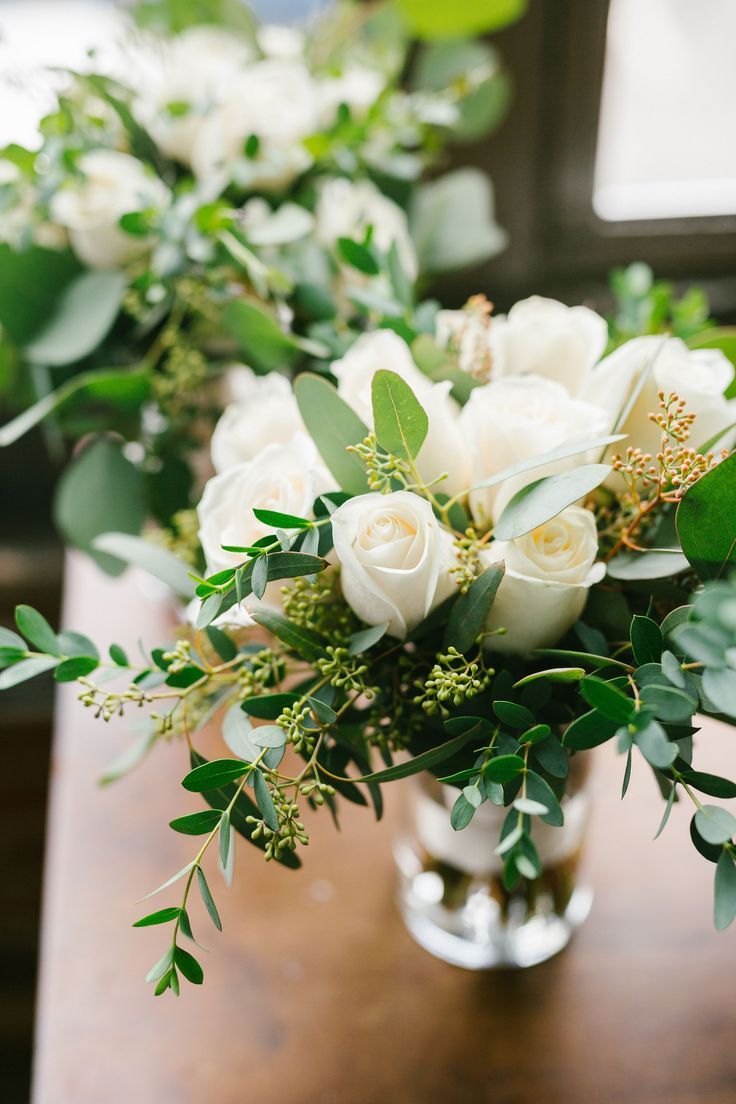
(163, 916)
(364, 639)
(265, 801)
(536, 734)
(333, 426)
(710, 784)
(400, 421)
(265, 345)
(31, 281)
(720, 688)
(358, 255)
(646, 640)
(159, 562)
(552, 758)
(259, 576)
(468, 614)
(725, 891)
(170, 881)
(210, 776)
(100, 491)
(196, 824)
(467, 64)
(123, 388)
(502, 768)
(544, 499)
(668, 703)
(268, 736)
(716, 825)
(308, 644)
(542, 459)
(657, 564)
(225, 834)
(539, 790)
(425, 759)
(607, 699)
(36, 628)
(513, 714)
(655, 746)
(82, 319)
(453, 223)
(222, 643)
(160, 968)
(530, 808)
(667, 810)
(189, 966)
(462, 813)
(11, 640)
(69, 670)
(706, 521)
(553, 674)
(209, 902)
(76, 644)
(436, 19)
(283, 521)
(25, 669)
(588, 731)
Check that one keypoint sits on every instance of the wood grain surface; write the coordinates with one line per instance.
(315, 994)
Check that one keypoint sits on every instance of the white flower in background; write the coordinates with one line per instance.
(283, 477)
(545, 338)
(358, 87)
(699, 376)
(395, 559)
(272, 104)
(19, 222)
(467, 334)
(112, 184)
(545, 586)
(513, 419)
(266, 413)
(346, 208)
(284, 43)
(195, 69)
(443, 449)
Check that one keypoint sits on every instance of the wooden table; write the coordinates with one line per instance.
(315, 994)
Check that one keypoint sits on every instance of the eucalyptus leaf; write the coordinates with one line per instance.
(469, 613)
(725, 891)
(158, 562)
(83, 317)
(706, 521)
(544, 499)
(333, 426)
(400, 421)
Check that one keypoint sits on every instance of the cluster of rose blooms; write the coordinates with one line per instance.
(541, 381)
(228, 111)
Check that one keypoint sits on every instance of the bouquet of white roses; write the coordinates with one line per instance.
(480, 556)
(233, 193)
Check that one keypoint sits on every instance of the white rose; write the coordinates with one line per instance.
(546, 338)
(516, 418)
(545, 586)
(467, 334)
(443, 449)
(193, 76)
(395, 559)
(113, 184)
(277, 41)
(266, 413)
(698, 376)
(346, 208)
(274, 101)
(283, 477)
(358, 87)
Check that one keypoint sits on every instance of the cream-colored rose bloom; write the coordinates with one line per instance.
(113, 184)
(394, 559)
(443, 449)
(699, 376)
(513, 419)
(283, 477)
(195, 69)
(275, 101)
(545, 338)
(346, 208)
(545, 586)
(265, 414)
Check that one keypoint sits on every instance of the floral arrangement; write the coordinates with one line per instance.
(235, 193)
(481, 556)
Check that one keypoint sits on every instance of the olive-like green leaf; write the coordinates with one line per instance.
(425, 759)
(725, 891)
(26, 669)
(158, 562)
(36, 628)
(607, 699)
(163, 916)
(588, 731)
(462, 813)
(655, 746)
(75, 328)
(710, 784)
(209, 901)
(646, 640)
(468, 614)
(513, 714)
(706, 521)
(545, 498)
(265, 801)
(333, 426)
(502, 768)
(400, 421)
(69, 670)
(716, 825)
(539, 790)
(211, 776)
(309, 644)
(189, 966)
(196, 824)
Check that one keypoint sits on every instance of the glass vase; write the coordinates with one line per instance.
(451, 894)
